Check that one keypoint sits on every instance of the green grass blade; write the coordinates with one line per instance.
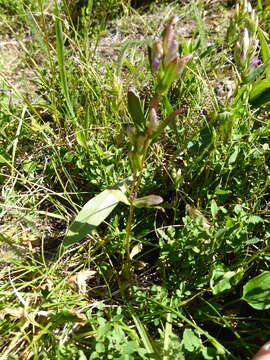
(60, 52)
(167, 337)
(145, 338)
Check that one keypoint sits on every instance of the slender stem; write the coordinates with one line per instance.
(134, 189)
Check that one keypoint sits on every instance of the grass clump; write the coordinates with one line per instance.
(134, 201)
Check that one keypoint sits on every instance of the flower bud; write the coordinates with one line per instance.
(156, 55)
(169, 33)
(246, 42)
(171, 54)
(181, 64)
(153, 121)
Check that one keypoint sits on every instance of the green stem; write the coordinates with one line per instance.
(134, 189)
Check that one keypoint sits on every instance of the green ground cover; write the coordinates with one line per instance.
(134, 173)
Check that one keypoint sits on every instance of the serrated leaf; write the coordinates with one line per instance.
(129, 348)
(135, 110)
(147, 201)
(93, 213)
(256, 292)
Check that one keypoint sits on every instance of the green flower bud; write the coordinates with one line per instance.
(169, 33)
(152, 121)
(156, 55)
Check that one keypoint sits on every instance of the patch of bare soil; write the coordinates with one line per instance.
(15, 76)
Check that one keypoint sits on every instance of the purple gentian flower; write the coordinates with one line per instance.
(155, 64)
(134, 196)
(256, 61)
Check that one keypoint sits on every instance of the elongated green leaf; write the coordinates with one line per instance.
(233, 157)
(214, 208)
(60, 50)
(167, 335)
(256, 72)
(256, 292)
(94, 212)
(135, 110)
(260, 93)
(163, 123)
(265, 50)
(147, 201)
(168, 78)
(147, 342)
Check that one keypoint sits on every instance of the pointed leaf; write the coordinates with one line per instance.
(147, 201)
(136, 250)
(146, 339)
(163, 123)
(214, 208)
(94, 212)
(135, 110)
(81, 138)
(233, 157)
(260, 93)
(265, 50)
(168, 78)
(256, 72)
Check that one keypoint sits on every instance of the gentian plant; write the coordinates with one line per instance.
(166, 66)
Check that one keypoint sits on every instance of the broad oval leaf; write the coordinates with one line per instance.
(256, 292)
(147, 201)
(135, 110)
(93, 213)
